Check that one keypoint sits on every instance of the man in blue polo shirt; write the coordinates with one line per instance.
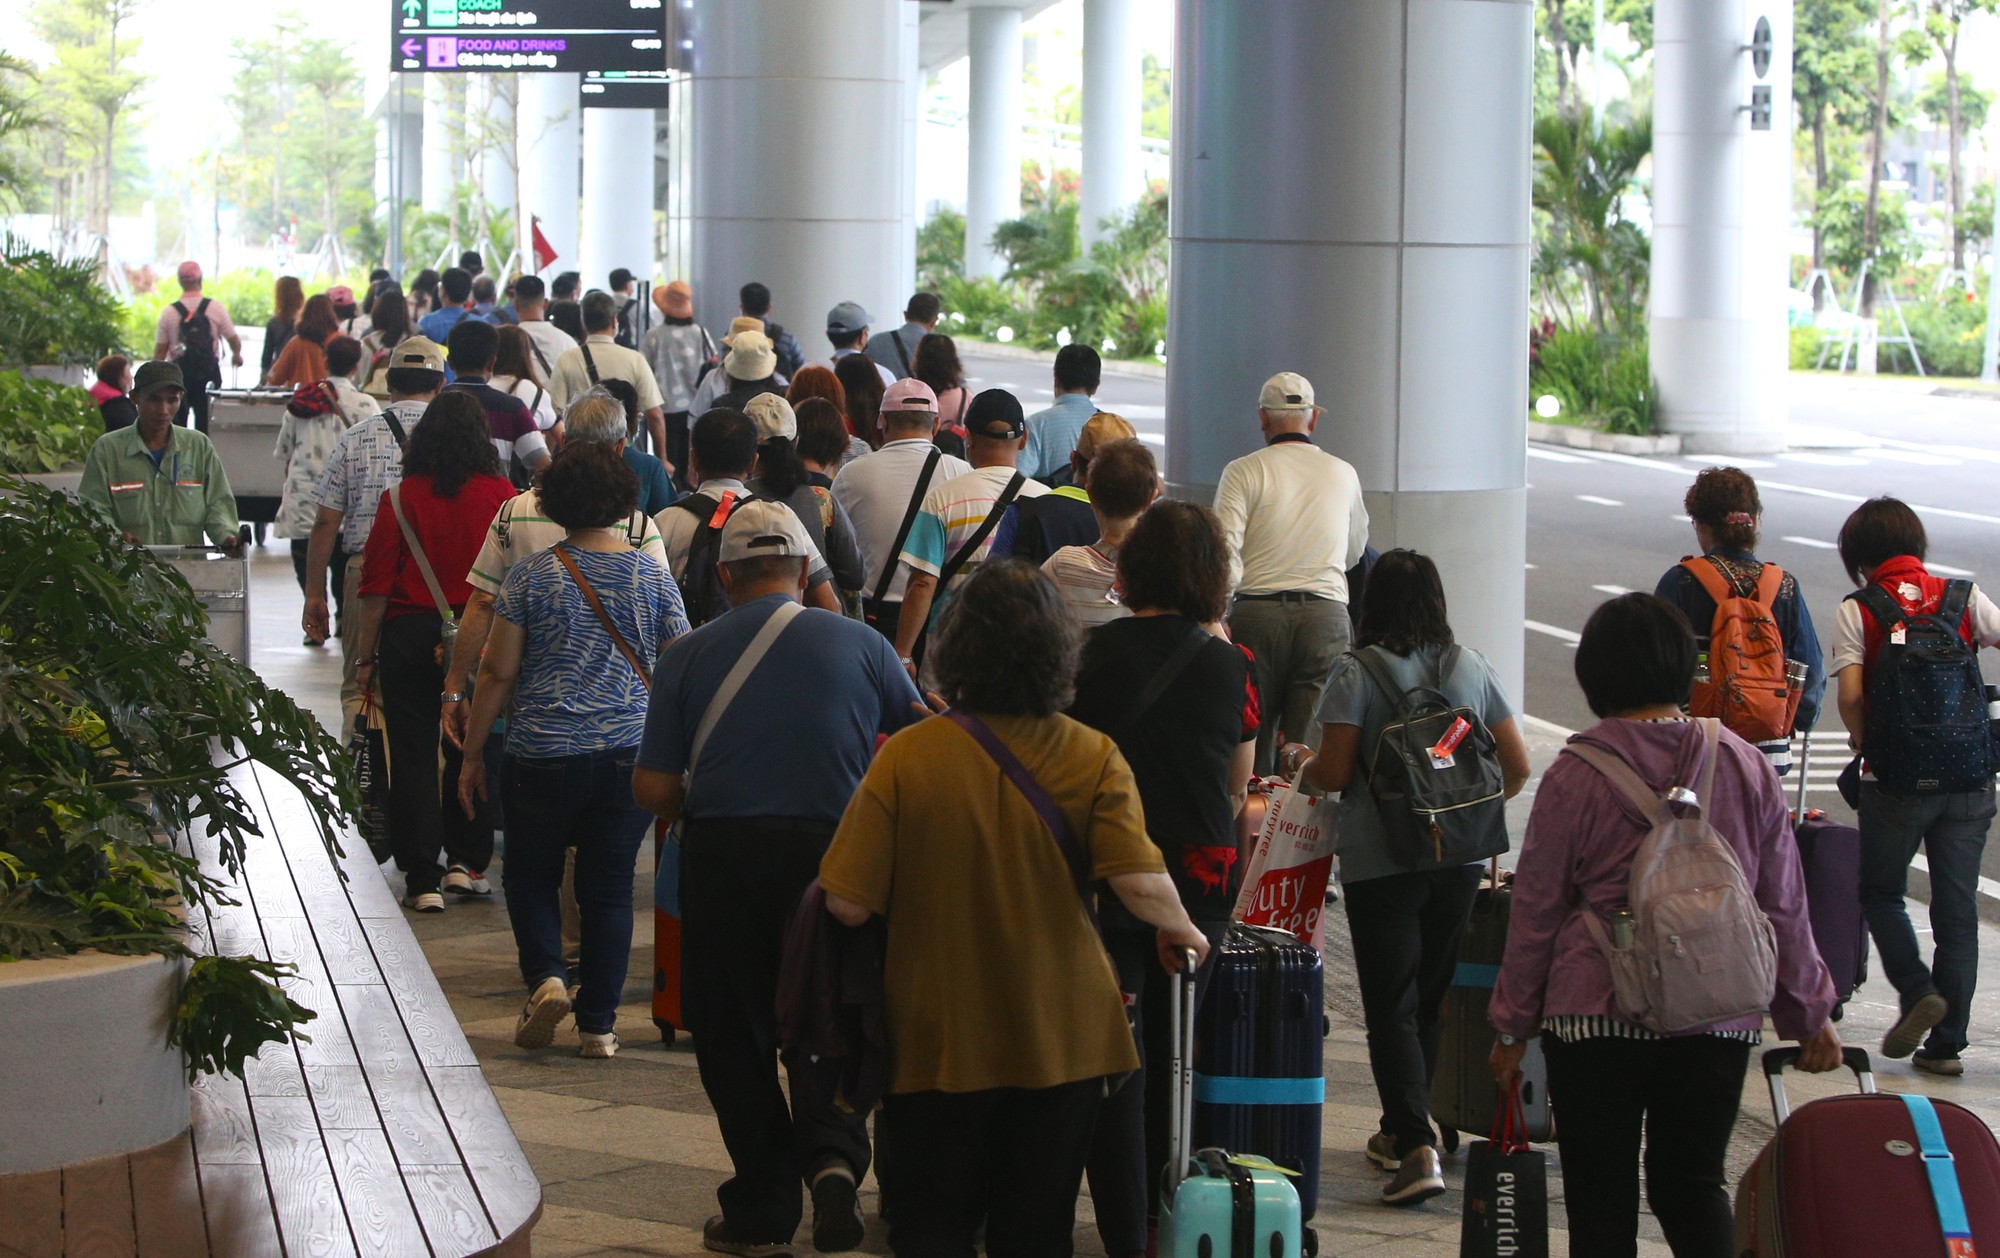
(1053, 433)
(751, 840)
(456, 287)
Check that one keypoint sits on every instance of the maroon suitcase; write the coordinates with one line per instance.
(1844, 1178)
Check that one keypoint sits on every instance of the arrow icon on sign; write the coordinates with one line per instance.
(410, 47)
(411, 8)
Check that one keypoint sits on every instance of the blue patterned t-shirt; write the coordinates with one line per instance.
(577, 693)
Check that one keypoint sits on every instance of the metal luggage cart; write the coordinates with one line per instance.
(222, 583)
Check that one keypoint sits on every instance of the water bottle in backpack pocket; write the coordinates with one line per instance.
(1434, 772)
(1927, 731)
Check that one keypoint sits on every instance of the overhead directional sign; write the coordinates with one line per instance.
(625, 89)
(527, 35)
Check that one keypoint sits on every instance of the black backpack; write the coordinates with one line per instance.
(701, 589)
(1437, 811)
(1926, 732)
(198, 359)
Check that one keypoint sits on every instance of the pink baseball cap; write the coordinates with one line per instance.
(909, 394)
(340, 295)
(189, 273)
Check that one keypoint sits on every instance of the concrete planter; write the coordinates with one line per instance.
(64, 482)
(89, 1072)
(79, 375)
(1610, 443)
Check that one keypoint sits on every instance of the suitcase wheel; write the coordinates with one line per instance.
(1449, 1139)
(1309, 1241)
(1839, 1012)
(667, 1032)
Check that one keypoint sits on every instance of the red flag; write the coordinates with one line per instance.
(545, 253)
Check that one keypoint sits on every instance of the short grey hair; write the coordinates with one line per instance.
(595, 417)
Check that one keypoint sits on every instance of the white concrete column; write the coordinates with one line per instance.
(993, 134)
(1721, 217)
(1111, 113)
(1394, 237)
(438, 126)
(617, 194)
(551, 134)
(796, 167)
(496, 177)
(913, 118)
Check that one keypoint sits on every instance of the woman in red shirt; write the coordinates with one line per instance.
(451, 489)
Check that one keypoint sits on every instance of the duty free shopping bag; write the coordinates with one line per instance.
(1284, 887)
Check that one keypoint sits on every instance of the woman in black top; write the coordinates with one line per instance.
(288, 297)
(1178, 700)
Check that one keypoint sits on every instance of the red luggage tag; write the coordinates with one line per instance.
(1441, 755)
(722, 509)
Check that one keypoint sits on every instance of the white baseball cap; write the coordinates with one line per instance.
(761, 529)
(1286, 391)
(773, 416)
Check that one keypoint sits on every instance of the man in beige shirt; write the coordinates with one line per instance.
(1293, 517)
(600, 357)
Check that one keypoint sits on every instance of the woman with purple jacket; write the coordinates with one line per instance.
(1610, 1079)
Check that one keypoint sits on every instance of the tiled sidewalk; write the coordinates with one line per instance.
(628, 1152)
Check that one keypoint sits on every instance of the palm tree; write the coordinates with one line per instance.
(20, 123)
(1581, 176)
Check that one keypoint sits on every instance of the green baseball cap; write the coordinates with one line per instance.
(154, 376)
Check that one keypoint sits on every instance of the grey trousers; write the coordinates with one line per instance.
(1296, 643)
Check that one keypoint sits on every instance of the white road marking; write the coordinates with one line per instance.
(1813, 542)
(1136, 412)
(1751, 464)
(1554, 631)
(1152, 439)
(1613, 590)
(1602, 502)
(1531, 567)
(1552, 456)
(1920, 458)
(1684, 519)
(1946, 570)
(1823, 460)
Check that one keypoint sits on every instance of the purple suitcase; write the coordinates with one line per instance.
(1830, 858)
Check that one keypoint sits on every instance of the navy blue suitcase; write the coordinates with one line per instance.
(1260, 1053)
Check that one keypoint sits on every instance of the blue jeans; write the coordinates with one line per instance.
(583, 802)
(1952, 831)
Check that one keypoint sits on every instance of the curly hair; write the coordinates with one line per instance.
(452, 444)
(1176, 560)
(1006, 644)
(587, 486)
(1724, 501)
(1405, 609)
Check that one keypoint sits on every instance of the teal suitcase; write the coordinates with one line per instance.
(1211, 1205)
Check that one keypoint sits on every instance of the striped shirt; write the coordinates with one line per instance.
(1083, 576)
(1571, 1027)
(952, 512)
(520, 531)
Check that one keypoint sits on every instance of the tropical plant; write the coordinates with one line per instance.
(1950, 332)
(117, 715)
(1600, 381)
(1842, 221)
(941, 250)
(1937, 29)
(1587, 247)
(44, 426)
(1830, 62)
(21, 123)
(53, 312)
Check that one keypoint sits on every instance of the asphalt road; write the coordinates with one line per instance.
(1601, 524)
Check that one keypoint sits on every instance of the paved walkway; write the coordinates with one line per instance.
(629, 1155)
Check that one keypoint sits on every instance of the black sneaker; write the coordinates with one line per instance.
(719, 1237)
(1926, 1012)
(837, 1224)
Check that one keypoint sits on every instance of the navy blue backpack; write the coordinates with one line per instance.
(1927, 731)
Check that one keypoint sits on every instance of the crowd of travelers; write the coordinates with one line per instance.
(1033, 680)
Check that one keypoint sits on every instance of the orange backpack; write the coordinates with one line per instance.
(1746, 686)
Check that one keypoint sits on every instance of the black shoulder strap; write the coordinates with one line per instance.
(909, 520)
(396, 428)
(986, 526)
(902, 355)
(1887, 611)
(589, 363)
(540, 357)
(182, 307)
(1952, 604)
(699, 506)
(537, 403)
(1379, 675)
(1176, 664)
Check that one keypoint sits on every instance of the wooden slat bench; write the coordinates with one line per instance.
(380, 1137)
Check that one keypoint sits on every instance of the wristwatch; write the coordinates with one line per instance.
(452, 696)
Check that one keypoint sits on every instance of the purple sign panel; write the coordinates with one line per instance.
(574, 36)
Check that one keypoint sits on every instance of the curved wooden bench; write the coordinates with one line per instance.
(380, 1137)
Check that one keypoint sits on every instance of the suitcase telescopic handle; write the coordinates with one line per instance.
(1180, 1103)
(1777, 1059)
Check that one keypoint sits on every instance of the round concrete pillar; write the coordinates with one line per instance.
(796, 173)
(1721, 223)
(617, 194)
(550, 134)
(498, 96)
(993, 134)
(439, 177)
(1374, 239)
(1111, 114)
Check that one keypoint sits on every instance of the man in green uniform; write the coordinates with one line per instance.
(161, 484)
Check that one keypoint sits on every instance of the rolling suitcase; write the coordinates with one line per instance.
(1463, 1094)
(1830, 860)
(1262, 1031)
(1213, 1205)
(666, 935)
(1871, 1174)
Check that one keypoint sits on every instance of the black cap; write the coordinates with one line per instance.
(996, 414)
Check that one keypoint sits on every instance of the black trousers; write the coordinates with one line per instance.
(677, 447)
(1128, 1149)
(1682, 1094)
(740, 880)
(424, 815)
(1009, 1157)
(336, 569)
(197, 400)
(1406, 930)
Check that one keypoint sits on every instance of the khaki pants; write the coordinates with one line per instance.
(350, 629)
(1296, 642)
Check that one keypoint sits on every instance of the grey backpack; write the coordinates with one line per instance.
(1700, 949)
(1437, 811)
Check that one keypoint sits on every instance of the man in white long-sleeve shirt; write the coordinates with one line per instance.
(1295, 523)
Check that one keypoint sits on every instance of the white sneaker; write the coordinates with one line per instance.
(548, 1006)
(428, 902)
(462, 881)
(599, 1046)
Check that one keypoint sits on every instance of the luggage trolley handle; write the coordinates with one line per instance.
(1180, 1112)
(1776, 1059)
(1805, 763)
